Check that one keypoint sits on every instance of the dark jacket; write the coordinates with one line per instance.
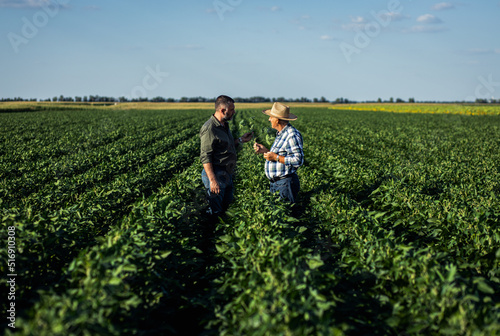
(217, 145)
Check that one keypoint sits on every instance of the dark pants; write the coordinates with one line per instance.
(288, 188)
(219, 203)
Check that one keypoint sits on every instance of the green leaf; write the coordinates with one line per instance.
(471, 298)
(302, 229)
(484, 287)
(451, 273)
(433, 221)
(225, 238)
(114, 281)
(315, 262)
(221, 248)
(130, 268)
(163, 255)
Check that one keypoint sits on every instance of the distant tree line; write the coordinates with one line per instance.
(256, 99)
(103, 99)
(18, 99)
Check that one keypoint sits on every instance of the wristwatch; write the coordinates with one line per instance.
(239, 140)
(278, 158)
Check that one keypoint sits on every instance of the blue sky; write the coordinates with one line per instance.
(360, 49)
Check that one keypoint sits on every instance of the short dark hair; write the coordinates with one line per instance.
(224, 101)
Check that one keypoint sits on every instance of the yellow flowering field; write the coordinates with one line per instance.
(424, 108)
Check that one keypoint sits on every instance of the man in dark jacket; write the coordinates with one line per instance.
(218, 155)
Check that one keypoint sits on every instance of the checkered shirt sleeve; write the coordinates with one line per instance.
(289, 144)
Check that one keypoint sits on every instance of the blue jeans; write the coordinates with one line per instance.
(288, 188)
(219, 203)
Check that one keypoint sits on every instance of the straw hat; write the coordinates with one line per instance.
(280, 111)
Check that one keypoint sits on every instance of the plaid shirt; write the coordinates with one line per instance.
(288, 143)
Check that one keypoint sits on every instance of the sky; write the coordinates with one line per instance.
(361, 50)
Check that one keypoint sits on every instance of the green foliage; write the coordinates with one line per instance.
(395, 232)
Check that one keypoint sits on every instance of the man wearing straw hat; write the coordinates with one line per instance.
(286, 154)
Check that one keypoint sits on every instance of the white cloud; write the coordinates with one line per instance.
(428, 19)
(443, 6)
(427, 24)
(357, 23)
(358, 19)
(497, 51)
(326, 38)
(275, 9)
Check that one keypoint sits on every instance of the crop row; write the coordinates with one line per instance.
(371, 250)
(454, 193)
(271, 286)
(62, 183)
(47, 240)
(148, 273)
(395, 232)
(22, 176)
(418, 229)
(145, 275)
(41, 137)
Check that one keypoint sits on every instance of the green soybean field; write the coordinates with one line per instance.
(396, 231)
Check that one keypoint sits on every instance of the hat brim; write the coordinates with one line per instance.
(290, 116)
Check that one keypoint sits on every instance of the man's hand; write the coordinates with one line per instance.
(247, 137)
(270, 156)
(258, 148)
(214, 186)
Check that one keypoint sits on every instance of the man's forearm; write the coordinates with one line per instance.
(209, 169)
